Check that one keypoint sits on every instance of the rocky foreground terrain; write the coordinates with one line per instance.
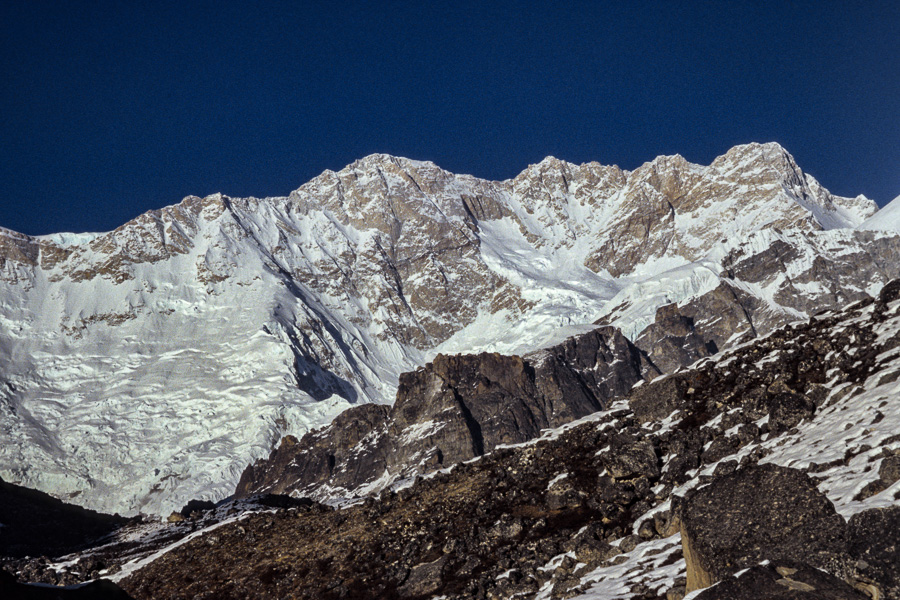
(768, 470)
(782, 450)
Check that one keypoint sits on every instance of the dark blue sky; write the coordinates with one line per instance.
(113, 108)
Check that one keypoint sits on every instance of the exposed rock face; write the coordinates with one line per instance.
(675, 198)
(875, 547)
(318, 454)
(454, 409)
(783, 580)
(865, 257)
(789, 265)
(759, 513)
(672, 340)
(420, 262)
(788, 388)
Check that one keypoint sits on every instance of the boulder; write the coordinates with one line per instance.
(875, 548)
(782, 580)
(631, 457)
(889, 471)
(425, 578)
(657, 400)
(889, 292)
(761, 512)
(888, 475)
(788, 409)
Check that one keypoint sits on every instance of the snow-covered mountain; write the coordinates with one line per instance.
(149, 365)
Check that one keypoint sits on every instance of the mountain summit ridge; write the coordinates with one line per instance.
(146, 366)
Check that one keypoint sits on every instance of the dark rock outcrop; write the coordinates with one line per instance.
(317, 455)
(453, 409)
(781, 375)
(655, 402)
(102, 589)
(782, 580)
(37, 524)
(836, 273)
(875, 547)
(672, 340)
(761, 512)
(728, 314)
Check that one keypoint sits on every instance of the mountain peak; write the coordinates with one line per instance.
(768, 149)
(769, 153)
(666, 162)
(381, 160)
(550, 161)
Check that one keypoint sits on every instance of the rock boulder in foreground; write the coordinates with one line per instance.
(762, 512)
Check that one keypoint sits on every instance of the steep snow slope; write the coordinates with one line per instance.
(117, 392)
(886, 219)
(145, 366)
(788, 275)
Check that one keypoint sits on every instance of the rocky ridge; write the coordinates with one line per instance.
(452, 409)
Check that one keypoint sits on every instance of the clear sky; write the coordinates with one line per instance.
(110, 109)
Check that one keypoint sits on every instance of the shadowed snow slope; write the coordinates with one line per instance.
(149, 365)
